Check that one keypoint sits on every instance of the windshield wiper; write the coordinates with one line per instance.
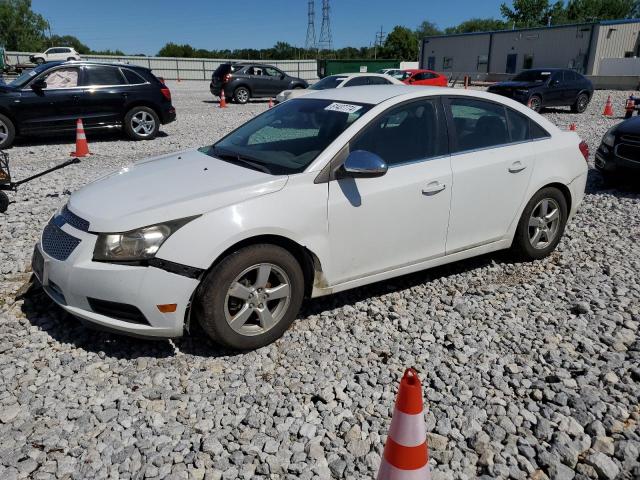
(243, 159)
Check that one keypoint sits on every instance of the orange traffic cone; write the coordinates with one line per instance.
(82, 147)
(270, 102)
(406, 453)
(572, 127)
(223, 101)
(608, 108)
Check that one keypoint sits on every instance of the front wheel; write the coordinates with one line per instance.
(7, 132)
(241, 95)
(541, 225)
(141, 123)
(581, 103)
(39, 61)
(251, 297)
(535, 103)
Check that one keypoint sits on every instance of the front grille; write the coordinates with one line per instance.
(74, 220)
(630, 138)
(119, 311)
(628, 152)
(57, 243)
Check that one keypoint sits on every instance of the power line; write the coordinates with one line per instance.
(380, 36)
(326, 39)
(311, 27)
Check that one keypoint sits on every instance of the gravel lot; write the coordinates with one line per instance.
(531, 370)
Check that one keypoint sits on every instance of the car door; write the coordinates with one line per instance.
(400, 218)
(278, 81)
(105, 93)
(571, 87)
(491, 171)
(56, 107)
(555, 91)
(259, 82)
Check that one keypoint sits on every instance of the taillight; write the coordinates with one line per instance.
(226, 78)
(166, 92)
(584, 149)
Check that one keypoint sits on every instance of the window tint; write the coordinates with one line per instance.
(272, 72)
(478, 124)
(62, 78)
(424, 76)
(357, 81)
(405, 133)
(378, 81)
(537, 131)
(103, 76)
(557, 77)
(570, 76)
(518, 126)
(254, 71)
(132, 77)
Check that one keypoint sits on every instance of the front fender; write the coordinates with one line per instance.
(298, 212)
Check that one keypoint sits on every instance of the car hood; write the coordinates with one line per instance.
(629, 127)
(513, 84)
(289, 94)
(168, 188)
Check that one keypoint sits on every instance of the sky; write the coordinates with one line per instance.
(145, 26)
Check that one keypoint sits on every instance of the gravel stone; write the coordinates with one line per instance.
(530, 370)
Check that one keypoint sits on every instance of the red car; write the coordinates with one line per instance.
(424, 77)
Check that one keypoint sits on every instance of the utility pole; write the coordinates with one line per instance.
(311, 26)
(326, 39)
(378, 42)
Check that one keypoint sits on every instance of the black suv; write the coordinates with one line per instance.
(243, 81)
(619, 152)
(550, 87)
(51, 97)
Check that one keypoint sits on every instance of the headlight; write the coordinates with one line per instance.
(609, 138)
(140, 244)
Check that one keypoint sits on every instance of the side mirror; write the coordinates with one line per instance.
(39, 85)
(363, 164)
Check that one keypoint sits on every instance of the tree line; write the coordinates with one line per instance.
(22, 29)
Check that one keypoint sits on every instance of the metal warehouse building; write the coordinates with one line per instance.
(582, 47)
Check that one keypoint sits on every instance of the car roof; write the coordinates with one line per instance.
(376, 94)
(91, 62)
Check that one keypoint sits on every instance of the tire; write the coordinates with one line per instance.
(7, 132)
(215, 307)
(581, 103)
(525, 237)
(70, 59)
(4, 202)
(535, 103)
(39, 61)
(241, 95)
(141, 123)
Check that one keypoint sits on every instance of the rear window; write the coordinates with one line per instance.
(132, 77)
(328, 82)
(225, 68)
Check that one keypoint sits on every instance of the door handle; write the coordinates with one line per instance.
(75, 97)
(433, 188)
(517, 167)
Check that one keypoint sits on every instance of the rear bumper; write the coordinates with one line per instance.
(78, 281)
(168, 115)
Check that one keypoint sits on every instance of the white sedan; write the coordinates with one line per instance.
(323, 193)
(340, 81)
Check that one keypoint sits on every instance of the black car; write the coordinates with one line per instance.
(619, 151)
(551, 87)
(51, 97)
(243, 81)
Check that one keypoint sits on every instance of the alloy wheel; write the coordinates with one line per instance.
(4, 131)
(583, 101)
(535, 104)
(544, 223)
(143, 124)
(257, 299)
(242, 95)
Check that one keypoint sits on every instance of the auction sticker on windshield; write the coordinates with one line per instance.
(343, 107)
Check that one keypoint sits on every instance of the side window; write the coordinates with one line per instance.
(478, 124)
(518, 126)
(557, 78)
(357, 81)
(103, 76)
(62, 78)
(272, 72)
(254, 71)
(537, 131)
(404, 133)
(570, 76)
(132, 77)
(378, 81)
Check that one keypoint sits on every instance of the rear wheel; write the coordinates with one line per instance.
(241, 95)
(535, 103)
(541, 225)
(141, 123)
(7, 132)
(581, 103)
(39, 61)
(251, 297)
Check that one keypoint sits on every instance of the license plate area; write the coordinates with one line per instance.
(39, 267)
